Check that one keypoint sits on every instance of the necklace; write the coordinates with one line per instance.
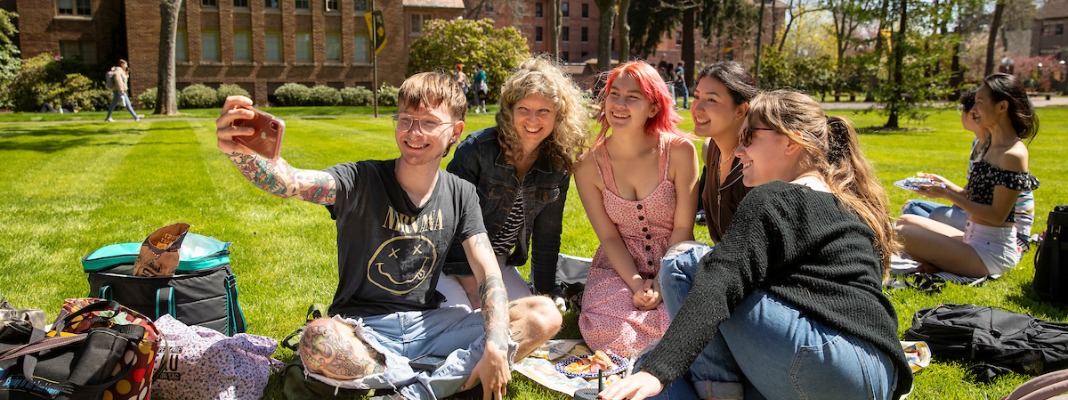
(719, 190)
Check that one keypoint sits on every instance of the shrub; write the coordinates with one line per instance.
(97, 100)
(32, 83)
(387, 95)
(227, 90)
(75, 88)
(324, 96)
(292, 94)
(147, 99)
(197, 96)
(357, 96)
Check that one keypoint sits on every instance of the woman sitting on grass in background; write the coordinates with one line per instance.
(987, 246)
(953, 215)
(638, 187)
(522, 170)
(790, 304)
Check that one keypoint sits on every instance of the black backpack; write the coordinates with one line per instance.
(992, 340)
(1051, 278)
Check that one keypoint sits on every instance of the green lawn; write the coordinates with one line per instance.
(72, 184)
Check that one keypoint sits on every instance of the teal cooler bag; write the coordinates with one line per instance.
(203, 291)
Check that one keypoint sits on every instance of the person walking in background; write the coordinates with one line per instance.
(789, 305)
(481, 89)
(680, 86)
(117, 79)
(639, 189)
(987, 246)
(522, 170)
(461, 79)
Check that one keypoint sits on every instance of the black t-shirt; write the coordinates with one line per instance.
(390, 252)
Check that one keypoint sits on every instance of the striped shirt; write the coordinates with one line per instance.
(506, 238)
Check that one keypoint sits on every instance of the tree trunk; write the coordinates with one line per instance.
(604, 34)
(554, 27)
(624, 31)
(760, 33)
(688, 46)
(896, 104)
(166, 93)
(991, 40)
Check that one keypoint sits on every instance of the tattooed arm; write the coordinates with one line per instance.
(276, 177)
(493, 369)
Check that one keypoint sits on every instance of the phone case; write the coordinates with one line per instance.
(426, 362)
(267, 140)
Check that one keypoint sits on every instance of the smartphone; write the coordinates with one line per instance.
(267, 138)
(427, 362)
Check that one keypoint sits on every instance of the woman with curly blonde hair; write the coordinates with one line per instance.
(522, 168)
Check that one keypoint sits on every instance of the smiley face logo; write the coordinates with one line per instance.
(402, 263)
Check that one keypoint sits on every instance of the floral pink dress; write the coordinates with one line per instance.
(609, 320)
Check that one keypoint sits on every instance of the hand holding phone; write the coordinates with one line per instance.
(266, 140)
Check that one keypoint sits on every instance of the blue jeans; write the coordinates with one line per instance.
(769, 349)
(950, 215)
(455, 332)
(119, 97)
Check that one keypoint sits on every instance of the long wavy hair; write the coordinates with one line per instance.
(653, 88)
(1005, 87)
(567, 141)
(834, 153)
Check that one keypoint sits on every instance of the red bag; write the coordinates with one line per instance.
(81, 315)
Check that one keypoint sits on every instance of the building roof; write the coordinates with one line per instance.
(459, 4)
(1053, 9)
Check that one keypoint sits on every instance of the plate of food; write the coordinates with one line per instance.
(914, 183)
(587, 366)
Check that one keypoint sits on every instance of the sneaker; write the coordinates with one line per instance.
(109, 120)
(139, 117)
(700, 220)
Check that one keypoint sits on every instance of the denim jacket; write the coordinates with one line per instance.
(480, 160)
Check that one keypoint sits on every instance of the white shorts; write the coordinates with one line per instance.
(995, 245)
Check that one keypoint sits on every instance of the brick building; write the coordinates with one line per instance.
(1048, 36)
(256, 44)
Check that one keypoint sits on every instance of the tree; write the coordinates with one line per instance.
(624, 30)
(446, 43)
(991, 42)
(555, 18)
(604, 33)
(167, 95)
(10, 62)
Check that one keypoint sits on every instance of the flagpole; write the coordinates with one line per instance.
(374, 59)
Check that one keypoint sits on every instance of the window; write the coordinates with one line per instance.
(363, 49)
(565, 33)
(270, 4)
(565, 9)
(537, 34)
(360, 5)
(209, 46)
(565, 55)
(181, 49)
(331, 5)
(303, 4)
(273, 47)
(585, 34)
(86, 51)
(489, 7)
(333, 46)
(209, 3)
(304, 46)
(1060, 29)
(538, 10)
(585, 10)
(73, 7)
(241, 3)
(242, 46)
(678, 38)
(418, 20)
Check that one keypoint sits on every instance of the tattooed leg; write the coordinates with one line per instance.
(331, 349)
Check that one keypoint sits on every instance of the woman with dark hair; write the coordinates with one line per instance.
(790, 304)
(987, 245)
(638, 187)
(522, 170)
(955, 216)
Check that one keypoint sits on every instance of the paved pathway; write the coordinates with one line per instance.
(1039, 101)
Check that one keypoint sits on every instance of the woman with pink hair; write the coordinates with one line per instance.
(639, 188)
